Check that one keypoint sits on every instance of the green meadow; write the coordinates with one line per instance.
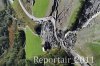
(33, 44)
(95, 48)
(40, 7)
(75, 12)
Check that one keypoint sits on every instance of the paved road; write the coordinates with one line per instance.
(46, 19)
(88, 22)
(40, 20)
(77, 57)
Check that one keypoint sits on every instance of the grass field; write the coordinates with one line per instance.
(40, 8)
(88, 41)
(33, 44)
(95, 48)
(91, 49)
(75, 12)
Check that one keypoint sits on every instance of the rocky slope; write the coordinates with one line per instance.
(90, 8)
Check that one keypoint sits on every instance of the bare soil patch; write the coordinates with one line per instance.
(11, 35)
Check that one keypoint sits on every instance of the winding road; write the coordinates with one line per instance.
(88, 22)
(52, 19)
(40, 20)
